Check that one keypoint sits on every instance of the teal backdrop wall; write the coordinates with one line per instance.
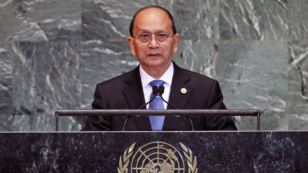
(53, 52)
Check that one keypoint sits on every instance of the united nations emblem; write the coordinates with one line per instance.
(158, 157)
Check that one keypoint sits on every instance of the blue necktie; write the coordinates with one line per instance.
(157, 122)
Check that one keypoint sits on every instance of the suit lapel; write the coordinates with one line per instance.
(133, 94)
(178, 97)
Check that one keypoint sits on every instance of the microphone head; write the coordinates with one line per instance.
(161, 90)
(158, 91)
(155, 90)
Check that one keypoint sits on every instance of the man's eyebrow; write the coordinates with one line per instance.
(159, 31)
(144, 32)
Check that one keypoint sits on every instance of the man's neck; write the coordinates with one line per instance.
(156, 72)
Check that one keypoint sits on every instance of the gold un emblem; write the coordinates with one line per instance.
(157, 157)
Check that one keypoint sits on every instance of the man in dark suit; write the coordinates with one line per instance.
(153, 42)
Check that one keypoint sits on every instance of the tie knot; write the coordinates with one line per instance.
(157, 83)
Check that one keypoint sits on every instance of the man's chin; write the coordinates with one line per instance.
(155, 61)
(155, 64)
(154, 58)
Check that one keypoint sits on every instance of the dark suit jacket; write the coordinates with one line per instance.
(125, 92)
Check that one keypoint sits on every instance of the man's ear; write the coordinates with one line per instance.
(177, 39)
(131, 45)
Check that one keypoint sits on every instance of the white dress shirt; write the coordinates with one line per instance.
(147, 88)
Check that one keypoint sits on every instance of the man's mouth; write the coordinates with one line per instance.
(154, 54)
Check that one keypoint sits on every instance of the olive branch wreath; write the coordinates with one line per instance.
(191, 160)
(124, 162)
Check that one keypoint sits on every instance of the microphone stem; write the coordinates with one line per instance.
(141, 107)
(173, 107)
(158, 92)
(169, 104)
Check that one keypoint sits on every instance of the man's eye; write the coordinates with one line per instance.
(144, 35)
(162, 35)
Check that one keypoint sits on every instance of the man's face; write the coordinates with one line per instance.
(153, 54)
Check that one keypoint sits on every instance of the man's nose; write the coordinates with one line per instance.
(153, 42)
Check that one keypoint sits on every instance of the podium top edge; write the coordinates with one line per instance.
(146, 112)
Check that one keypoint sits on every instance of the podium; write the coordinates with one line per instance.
(153, 152)
(206, 152)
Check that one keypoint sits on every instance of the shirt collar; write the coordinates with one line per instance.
(166, 77)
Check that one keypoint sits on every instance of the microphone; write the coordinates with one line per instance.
(155, 93)
(158, 91)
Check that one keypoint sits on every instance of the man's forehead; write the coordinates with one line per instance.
(152, 11)
(150, 18)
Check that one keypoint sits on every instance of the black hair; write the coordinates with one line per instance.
(131, 26)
